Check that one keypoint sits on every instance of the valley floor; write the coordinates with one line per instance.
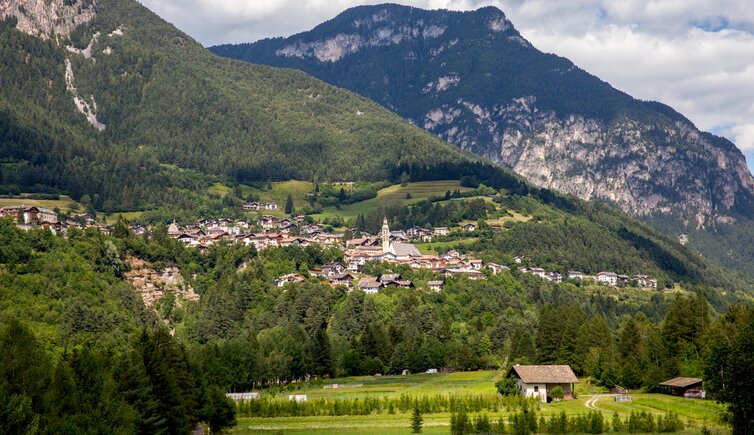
(695, 413)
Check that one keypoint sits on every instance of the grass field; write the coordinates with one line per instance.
(431, 247)
(696, 413)
(65, 203)
(395, 194)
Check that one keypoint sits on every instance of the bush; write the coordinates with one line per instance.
(557, 393)
(508, 387)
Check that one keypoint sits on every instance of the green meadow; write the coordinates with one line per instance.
(695, 413)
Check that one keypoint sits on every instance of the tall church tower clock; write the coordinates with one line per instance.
(385, 236)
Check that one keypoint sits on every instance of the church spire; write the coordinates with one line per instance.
(385, 236)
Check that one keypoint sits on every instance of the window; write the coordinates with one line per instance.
(536, 388)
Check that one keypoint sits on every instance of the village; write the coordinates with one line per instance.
(392, 247)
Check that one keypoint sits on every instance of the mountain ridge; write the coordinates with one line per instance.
(480, 85)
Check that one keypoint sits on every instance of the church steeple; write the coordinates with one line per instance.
(385, 236)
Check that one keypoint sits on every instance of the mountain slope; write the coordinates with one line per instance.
(470, 78)
(121, 105)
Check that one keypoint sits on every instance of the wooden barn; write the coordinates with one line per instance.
(685, 387)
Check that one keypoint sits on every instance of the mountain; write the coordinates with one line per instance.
(104, 98)
(110, 104)
(473, 80)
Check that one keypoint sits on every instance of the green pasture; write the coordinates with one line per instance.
(395, 194)
(695, 413)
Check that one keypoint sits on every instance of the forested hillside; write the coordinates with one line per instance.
(103, 360)
(161, 118)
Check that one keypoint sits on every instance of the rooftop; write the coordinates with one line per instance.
(681, 382)
(545, 374)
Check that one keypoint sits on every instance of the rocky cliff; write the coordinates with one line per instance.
(48, 18)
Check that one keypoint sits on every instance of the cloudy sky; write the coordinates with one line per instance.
(694, 55)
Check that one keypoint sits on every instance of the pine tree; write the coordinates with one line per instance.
(289, 205)
(416, 420)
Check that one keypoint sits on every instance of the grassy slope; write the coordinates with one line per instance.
(65, 203)
(395, 195)
(391, 195)
(696, 413)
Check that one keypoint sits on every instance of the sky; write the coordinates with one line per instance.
(696, 56)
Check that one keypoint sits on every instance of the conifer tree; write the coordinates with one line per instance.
(416, 420)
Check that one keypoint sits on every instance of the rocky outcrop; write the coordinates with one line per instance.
(152, 285)
(48, 18)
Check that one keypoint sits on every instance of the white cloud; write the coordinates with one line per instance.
(694, 55)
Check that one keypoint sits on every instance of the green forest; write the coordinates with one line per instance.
(103, 360)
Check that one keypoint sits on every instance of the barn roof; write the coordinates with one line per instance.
(681, 382)
(545, 374)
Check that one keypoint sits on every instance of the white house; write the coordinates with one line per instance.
(539, 380)
(441, 231)
(608, 278)
(575, 274)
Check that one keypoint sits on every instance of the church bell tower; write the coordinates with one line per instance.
(385, 236)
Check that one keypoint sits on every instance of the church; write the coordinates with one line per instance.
(396, 250)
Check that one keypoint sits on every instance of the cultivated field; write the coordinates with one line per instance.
(695, 413)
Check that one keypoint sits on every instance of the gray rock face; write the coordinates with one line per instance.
(642, 167)
(48, 18)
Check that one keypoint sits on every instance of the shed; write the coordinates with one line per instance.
(686, 387)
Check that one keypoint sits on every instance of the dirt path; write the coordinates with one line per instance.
(591, 403)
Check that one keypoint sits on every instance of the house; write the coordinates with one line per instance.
(420, 233)
(328, 270)
(370, 285)
(575, 274)
(188, 239)
(29, 215)
(554, 277)
(474, 264)
(539, 380)
(252, 206)
(436, 285)
(441, 231)
(289, 279)
(645, 281)
(608, 278)
(496, 268)
(388, 277)
(345, 279)
(270, 206)
(517, 259)
(685, 387)
(298, 397)
(538, 271)
(469, 228)
(399, 283)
